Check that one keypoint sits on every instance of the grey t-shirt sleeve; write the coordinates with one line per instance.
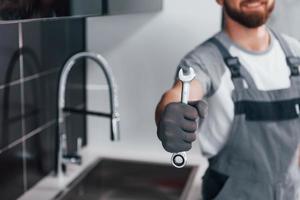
(208, 64)
(191, 60)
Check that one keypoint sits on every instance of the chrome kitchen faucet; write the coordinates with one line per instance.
(63, 158)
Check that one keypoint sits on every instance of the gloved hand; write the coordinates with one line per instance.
(178, 124)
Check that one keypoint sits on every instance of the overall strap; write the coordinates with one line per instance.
(238, 71)
(292, 60)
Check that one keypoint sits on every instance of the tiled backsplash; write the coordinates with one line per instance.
(31, 56)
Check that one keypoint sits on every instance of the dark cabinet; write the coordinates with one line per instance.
(53, 9)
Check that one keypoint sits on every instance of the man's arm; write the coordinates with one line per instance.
(174, 95)
(177, 123)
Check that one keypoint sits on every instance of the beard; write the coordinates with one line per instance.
(249, 20)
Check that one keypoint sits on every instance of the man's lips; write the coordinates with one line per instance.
(253, 4)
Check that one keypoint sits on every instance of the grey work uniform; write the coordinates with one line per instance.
(264, 137)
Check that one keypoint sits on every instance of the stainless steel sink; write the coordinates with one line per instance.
(126, 180)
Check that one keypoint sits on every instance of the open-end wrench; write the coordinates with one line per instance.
(185, 75)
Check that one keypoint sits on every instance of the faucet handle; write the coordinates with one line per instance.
(79, 145)
(115, 127)
(64, 143)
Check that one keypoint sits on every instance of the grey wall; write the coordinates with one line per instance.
(143, 51)
(286, 17)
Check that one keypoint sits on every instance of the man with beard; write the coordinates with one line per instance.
(249, 76)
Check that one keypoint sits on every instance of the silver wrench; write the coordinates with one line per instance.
(185, 75)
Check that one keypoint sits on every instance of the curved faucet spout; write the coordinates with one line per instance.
(114, 115)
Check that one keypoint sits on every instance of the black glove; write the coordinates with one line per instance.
(178, 124)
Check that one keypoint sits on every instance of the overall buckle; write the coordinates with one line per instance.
(234, 65)
(294, 63)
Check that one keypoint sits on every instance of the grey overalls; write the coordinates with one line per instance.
(264, 138)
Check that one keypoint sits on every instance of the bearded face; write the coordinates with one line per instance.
(250, 13)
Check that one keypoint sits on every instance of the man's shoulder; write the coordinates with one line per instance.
(208, 64)
(204, 52)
